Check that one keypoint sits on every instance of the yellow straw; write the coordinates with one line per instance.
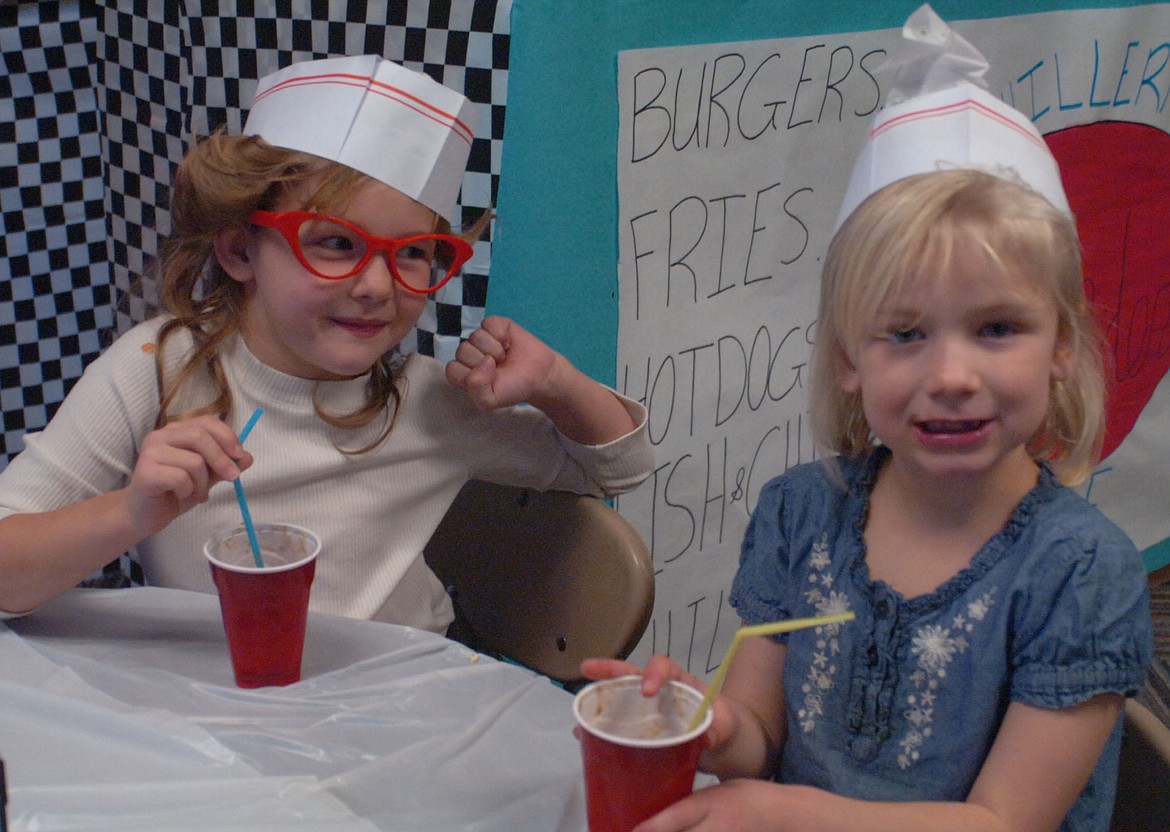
(757, 630)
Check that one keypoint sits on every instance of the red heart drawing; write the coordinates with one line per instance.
(1117, 177)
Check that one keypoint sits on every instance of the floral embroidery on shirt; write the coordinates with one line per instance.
(823, 669)
(935, 645)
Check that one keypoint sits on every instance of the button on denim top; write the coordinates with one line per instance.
(904, 702)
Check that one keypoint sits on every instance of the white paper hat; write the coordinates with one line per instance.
(939, 115)
(391, 123)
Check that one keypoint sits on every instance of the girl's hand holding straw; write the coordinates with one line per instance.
(178, 465)
(661, 669)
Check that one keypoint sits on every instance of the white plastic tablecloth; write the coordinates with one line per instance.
(118, 711)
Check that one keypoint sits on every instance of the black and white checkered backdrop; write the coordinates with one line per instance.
(98, 103)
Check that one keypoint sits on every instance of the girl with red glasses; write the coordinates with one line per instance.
(301, 255)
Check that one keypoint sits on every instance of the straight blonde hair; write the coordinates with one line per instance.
(912, 230)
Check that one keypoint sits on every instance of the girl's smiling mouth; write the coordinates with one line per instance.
(952, 434)
(946, 427)
(361, 327)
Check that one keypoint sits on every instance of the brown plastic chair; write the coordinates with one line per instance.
(544, 579)
(1143, 782)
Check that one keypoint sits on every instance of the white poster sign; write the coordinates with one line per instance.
(732, 161)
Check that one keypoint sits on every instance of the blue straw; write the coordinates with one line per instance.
(251, 424)
(248, 526)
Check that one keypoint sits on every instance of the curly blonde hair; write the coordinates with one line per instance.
(926, 219)
(217, 186)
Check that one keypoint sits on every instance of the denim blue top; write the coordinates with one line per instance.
(904, 702)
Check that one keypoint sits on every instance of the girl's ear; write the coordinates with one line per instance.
(1062, 360)
(848, 378)
(233, 251)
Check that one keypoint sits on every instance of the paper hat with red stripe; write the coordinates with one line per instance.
(939, 115)
(391, 123)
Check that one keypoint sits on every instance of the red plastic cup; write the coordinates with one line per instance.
(638, 756)
(264, 610)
